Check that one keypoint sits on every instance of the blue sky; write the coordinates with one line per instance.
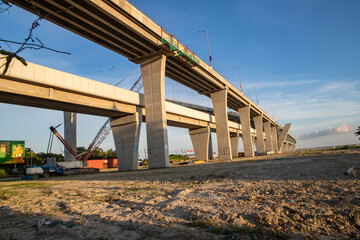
(302, 57)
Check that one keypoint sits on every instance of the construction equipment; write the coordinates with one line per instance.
(99, 138)
(73, 169)
(137, 85)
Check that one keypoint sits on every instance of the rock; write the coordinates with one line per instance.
(297, 217)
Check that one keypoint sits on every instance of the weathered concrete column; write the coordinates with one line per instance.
(247, 139)
(285, 147)
(126, 132)
(282, 137)
(219, 100)
(200, 141)
(260, 144)
(211, 152)
(274, 138)
(293, 147)
(234, 139)
(70, 134)
(153, 74)
(268, 143)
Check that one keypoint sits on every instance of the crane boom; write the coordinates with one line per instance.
(62, 140)
(100, 137)
(137, 85)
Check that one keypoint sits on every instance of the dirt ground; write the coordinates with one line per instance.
(301, 196)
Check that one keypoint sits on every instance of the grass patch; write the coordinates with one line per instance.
(31, 185)
(204, 223)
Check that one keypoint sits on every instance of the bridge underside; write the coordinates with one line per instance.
(120, 27)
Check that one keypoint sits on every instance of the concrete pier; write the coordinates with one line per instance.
(268, 143)
(200, 141)
(153, 74)
(219, 100)
(234, 139)
(260, 143)
(247, 139)
(274, 138)
(126, 132)
(282, 137)
(70, 134)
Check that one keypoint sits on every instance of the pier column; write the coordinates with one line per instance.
(200, 141)
(274, 138)
(260, 144)
(126, 132)
(247, 139)
(285, 147)
(70, 134)
(282, 137)
(234, 139)
(268, 143)
(153, 74)
(219, 100)
(211, 152)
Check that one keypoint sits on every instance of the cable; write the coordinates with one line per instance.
(127, 77)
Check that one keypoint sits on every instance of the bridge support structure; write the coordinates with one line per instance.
(219, 100)
(234, 139)
(200, 141)
(268, 144)
(153, 74)
(126, 132)
(259, 143)
(282, 137)
(247, 139)
(274, 138)
(70, 134)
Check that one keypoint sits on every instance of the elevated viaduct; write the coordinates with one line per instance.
(120, 27)
(43, 87)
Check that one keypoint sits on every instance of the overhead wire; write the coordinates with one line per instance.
(127, 77)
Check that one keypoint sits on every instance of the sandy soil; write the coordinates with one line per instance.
(291, 197)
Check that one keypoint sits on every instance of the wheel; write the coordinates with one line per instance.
(46, 175)
(35, 177)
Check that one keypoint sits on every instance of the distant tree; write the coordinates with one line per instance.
(32, 157)
(110, 154)
(97, 153)
(357, 133)
(80, 149)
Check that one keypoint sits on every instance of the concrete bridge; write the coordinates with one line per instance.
(43, 87)
(120, 27)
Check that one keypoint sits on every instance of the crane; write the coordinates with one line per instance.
(99, 138)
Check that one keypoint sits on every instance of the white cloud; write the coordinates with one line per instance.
(329, 131)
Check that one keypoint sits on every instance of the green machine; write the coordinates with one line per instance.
(12, 152)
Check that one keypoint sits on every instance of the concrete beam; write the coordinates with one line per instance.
(268, 144)
(247, 139)
(70, 134)
(274, 138)
(153, 74)
(234, 139)
(126, 132)
(260, 143)
(219, 100)
(282, 137)
(200, 141)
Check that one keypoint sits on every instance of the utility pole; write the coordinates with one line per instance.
(207, 37)
(238, 68)
(110, 74)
